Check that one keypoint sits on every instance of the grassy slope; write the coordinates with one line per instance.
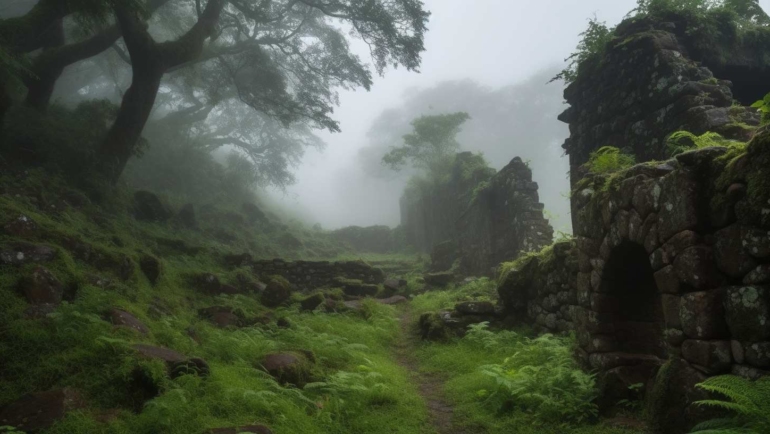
(365, 391)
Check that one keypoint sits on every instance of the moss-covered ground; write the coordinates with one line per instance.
(358, 384)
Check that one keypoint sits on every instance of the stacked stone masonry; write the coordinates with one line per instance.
(309, 275)
(489, 220)
(651, 82)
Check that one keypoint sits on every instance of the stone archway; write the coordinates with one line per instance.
(635, 312)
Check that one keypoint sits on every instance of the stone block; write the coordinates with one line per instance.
(758, 354)
(695, 267)
(671, 307)
(702, 315)
(667, 281)
(678, 204)
(711, 357)
(731, 257)
(747, 312)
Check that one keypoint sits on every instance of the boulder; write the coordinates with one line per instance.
(151, 268)
(289, 367)
(670, 401)
(24, 253)
(277, 292)
(396, 299)
(39, 411)
(392, 286)
(42, 287)
(21, 226)
(207, 283)
(149, 208)
(439, 279)
(122, 318)
(221, 316)
(711, 357)
(312, 302)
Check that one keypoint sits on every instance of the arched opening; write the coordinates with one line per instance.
(637, 313)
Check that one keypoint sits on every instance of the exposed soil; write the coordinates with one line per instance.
(428, 385)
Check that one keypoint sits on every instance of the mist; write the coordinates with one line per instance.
(493, 60)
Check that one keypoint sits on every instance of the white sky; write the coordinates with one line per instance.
(495, 42)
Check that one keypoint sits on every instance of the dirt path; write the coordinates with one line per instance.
(428, 385)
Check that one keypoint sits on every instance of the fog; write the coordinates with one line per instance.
(498, 47)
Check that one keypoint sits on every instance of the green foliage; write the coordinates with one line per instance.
(609, 159)
(593, 43)
(431, 144)
(748, 402)
(747, 12)
(764, 107)
(543, 378)
(682, 141)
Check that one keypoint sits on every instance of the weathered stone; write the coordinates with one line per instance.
(731, 257)
(671, 307)
(702, 315)
(147, 207)
(667, 280)
(122, 318)
(396, 299)
(221, 316)
(695, 267)
(288, 367)
(23, 253)
(747, 312)
(699, 156)
(207, 283)
(749, 372)
(277, 293)
(151, 268)
(22, 227)
(761, 274)
(251, 429)
(678, 204)
(758, 354)
(670, 405)
(443, 255)
(712, 357)
(757, 243)
(475, 308)
(439, 279)
(312, 302)
(737, 350)
(39, 411)
(177, 363)
(42, 287)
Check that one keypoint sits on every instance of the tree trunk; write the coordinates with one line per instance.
(134, 112)
(149, 61)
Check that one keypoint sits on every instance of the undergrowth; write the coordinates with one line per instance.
(746, 401)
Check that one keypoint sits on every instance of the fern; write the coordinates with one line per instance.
(749, 401)
(608, 159)
(682, 141)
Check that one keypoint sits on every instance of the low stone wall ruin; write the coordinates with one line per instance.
(309, 275)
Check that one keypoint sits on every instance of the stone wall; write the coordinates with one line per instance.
(541, 290)
(309, 275)
(505, 219)
(650, 83)
(674, 267)
(490, 219)
(374, 239)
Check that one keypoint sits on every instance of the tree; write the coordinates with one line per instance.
(431, 144)
(284, 58)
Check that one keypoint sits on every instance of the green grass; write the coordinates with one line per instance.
(358, 386)
(480, 404)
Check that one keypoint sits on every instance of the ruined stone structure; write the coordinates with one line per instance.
(485, 218)
(541, 290)
(655, 78)
(375, 239)
(309, 275)
(668, 282)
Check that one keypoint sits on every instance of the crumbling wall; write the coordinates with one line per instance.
(309, 275)
(504, 219)
(375, 239)
(541, 289)
(652, 81)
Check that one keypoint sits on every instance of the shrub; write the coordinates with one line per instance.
(542, 378)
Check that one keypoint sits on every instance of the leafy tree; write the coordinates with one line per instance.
(431, 144)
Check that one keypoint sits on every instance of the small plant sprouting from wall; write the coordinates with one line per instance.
(683, 141)
(764, 107)
(609, 159)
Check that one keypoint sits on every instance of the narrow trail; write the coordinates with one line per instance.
(428, 385)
